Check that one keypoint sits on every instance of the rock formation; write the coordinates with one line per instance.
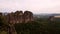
(20, 17)
(17, 17)
(51, 18)
(28, 16)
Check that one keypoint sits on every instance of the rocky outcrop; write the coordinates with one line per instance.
(28, 16)
(20, 17)
(51, 18)
(17, 17)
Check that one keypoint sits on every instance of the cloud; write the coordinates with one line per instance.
(36, 6)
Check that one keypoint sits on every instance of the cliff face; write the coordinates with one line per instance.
(20, 17)
(28, 16)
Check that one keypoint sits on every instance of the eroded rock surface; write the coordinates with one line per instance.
(20, 17)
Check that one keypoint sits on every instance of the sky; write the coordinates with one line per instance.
(35, 6)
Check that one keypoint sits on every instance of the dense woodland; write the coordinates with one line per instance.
(39, 26)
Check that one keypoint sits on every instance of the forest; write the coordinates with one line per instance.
(39, 26)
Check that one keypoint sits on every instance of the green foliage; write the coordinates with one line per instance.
(3, 20)
(3, 32)
(3, 23)
(27, 27)
(38, 27)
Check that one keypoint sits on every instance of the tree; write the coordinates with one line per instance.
(28, 28)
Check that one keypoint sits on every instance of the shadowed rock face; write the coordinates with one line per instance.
(28, 16)
(20, 17)
(51, 18)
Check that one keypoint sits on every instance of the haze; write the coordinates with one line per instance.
(35, 6)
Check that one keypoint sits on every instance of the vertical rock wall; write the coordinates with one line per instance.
(20, 17)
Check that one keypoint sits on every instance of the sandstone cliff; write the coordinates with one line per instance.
(20, 17)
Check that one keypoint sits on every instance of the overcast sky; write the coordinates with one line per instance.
(35, 6)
